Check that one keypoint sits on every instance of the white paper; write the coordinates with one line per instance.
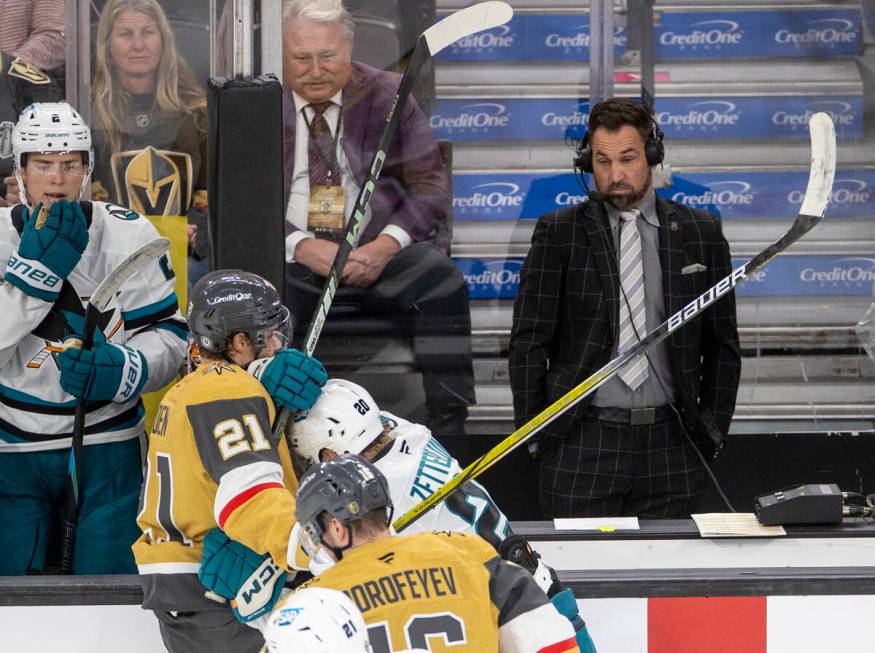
(734, 524)
(596, 524)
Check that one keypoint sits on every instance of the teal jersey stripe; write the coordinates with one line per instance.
(157, 307)
(24, 397)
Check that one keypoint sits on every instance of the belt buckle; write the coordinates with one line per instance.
(642, 416)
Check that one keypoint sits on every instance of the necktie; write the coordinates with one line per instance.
(632, 322)
(320, 150)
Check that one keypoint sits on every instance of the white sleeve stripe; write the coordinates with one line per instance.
(534, 630)
(237, 481)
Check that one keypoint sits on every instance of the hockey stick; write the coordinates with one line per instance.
(823, 155)
(464, 22)
(136, 261)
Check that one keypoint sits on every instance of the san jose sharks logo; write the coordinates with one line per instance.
(66, 319)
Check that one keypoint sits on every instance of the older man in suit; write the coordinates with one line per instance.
(335, 112)
(598, 278)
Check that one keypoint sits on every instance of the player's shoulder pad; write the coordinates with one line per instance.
(222, 380)
(466, 544)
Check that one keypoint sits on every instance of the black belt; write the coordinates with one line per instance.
(632, 416)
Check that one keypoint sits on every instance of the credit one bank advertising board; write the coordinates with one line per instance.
(787, 275)
(796, 32)
(731, 195)
(772, 117)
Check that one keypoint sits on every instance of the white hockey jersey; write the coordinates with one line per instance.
(35, 412)
(416, 465)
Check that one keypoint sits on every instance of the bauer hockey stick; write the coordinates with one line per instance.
(462, 23)
(136, 261)
(823, 156)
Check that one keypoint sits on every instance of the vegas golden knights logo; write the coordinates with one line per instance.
(153, 182)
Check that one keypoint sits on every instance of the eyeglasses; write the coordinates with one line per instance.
(63, 167)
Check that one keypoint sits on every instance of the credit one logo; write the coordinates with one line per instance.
(497, 274)
(721, 193)
(576, 119)
(706, 32)
(842, 114)
(827, 31)
(857, 270)
(581, 39)
(844, 191)
(481, 115)
(708, 113)
(497, 38)
(492, 195)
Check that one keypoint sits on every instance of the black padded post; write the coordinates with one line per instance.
(246, 176)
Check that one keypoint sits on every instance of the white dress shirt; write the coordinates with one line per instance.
(299, 197)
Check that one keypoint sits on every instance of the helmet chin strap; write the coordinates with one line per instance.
(338, 551)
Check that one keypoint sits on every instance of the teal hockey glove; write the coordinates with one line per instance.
(47, 254)
(108, 372)
(251, 581)
(292, 379)
(566, 605)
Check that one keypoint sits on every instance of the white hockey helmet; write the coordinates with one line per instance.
(344, 418)
(50, 128)
(317, 620)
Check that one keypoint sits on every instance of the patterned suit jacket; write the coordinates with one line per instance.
(412, 191)
(567, 309)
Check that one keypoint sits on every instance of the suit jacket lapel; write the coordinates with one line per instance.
(671, 256)
(356, 121)
(595, 224)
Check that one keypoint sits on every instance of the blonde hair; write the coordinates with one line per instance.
(177, 90)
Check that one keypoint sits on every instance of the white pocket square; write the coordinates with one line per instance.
(693, 267)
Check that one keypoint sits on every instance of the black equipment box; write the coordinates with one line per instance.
(819, 503)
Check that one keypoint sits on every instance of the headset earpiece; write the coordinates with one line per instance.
(583, 156)
(654, 150)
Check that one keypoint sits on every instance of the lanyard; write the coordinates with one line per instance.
(329, 166)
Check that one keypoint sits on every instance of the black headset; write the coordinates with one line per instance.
(654, 150)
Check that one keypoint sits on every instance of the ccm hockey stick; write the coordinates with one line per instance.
(464, 22)
(136, 261)
(823, 156)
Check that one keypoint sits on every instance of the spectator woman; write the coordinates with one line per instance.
(149, 117)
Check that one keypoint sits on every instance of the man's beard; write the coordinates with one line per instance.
(630, 199)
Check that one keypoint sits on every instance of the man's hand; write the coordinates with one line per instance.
(292, 379)
(108, 372)
(366, 263)
(252, 581)
(316, 254)
(13, 195)
(48, 253)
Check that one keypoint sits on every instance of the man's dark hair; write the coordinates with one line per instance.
(615, 112)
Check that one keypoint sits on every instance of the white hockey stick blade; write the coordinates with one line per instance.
(465, 22)
(823, 161)
(137, 260)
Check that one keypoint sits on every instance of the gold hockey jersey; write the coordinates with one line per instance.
(212, 462)
(444, 592)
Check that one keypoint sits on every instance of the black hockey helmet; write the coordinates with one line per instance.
(225, 302)
(347, 488)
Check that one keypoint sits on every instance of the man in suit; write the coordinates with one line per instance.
(335, 112)
(598, 278)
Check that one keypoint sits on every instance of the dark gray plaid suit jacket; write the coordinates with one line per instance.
(566, 313)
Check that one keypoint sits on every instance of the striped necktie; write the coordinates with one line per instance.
(322, 159)
(632, 305)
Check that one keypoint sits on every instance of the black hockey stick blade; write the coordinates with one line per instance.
(136, 261)
(823, 158)
(460, 24)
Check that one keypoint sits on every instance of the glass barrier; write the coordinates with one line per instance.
(490, 149)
